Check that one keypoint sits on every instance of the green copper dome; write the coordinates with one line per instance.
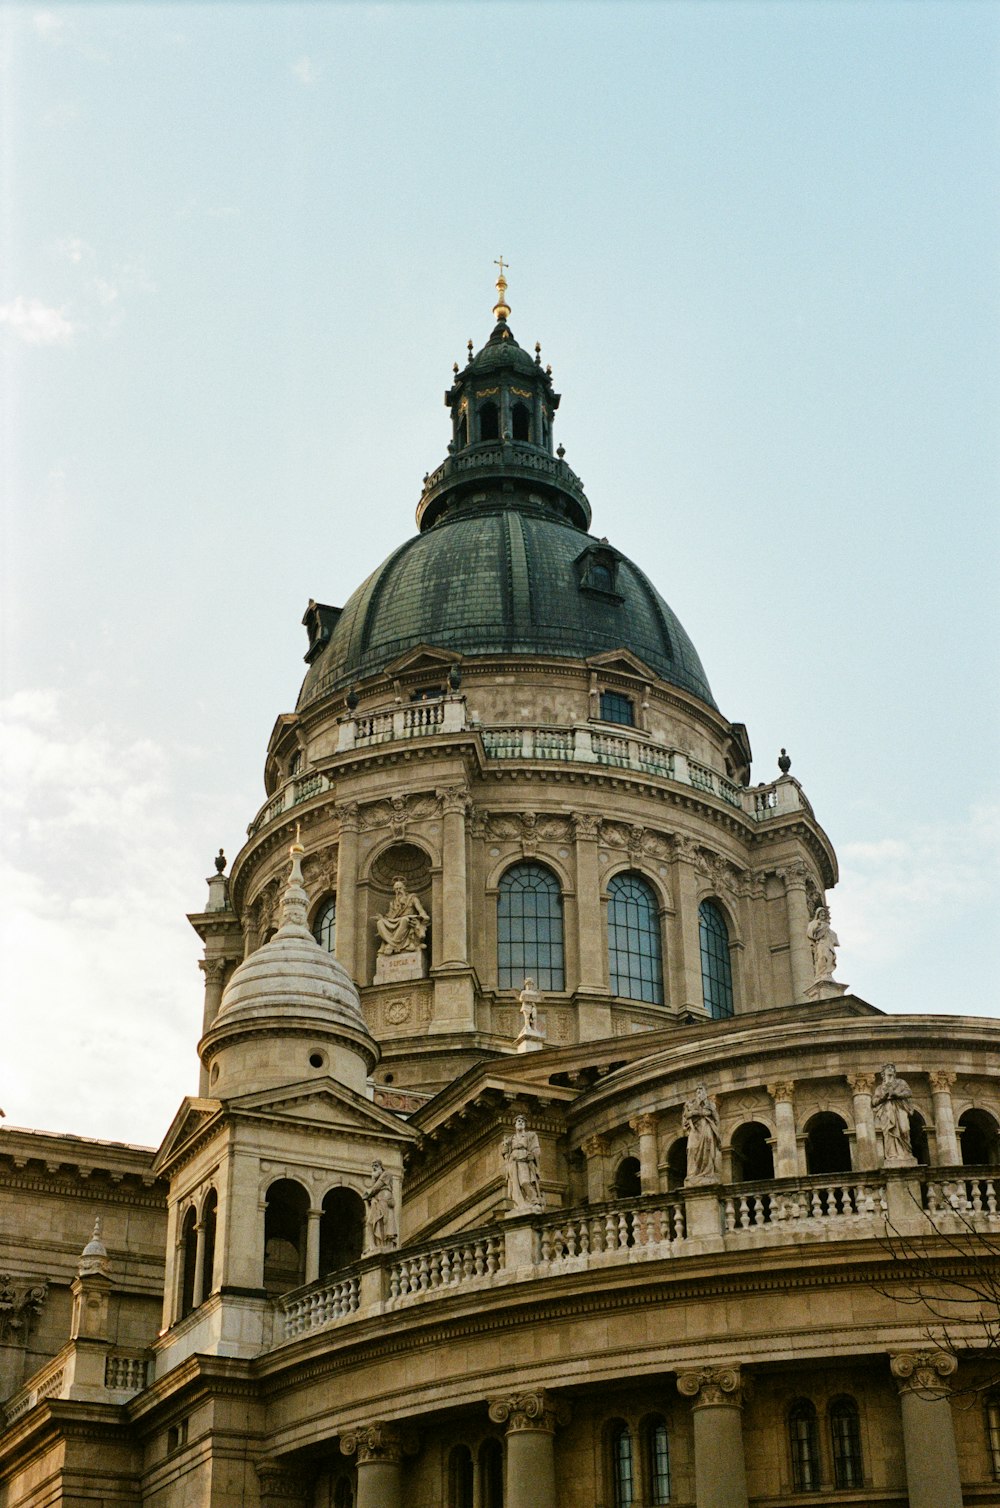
(503, 564)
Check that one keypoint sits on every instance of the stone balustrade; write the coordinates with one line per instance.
(594, 1238)
(328, 1300)
(815, 1204)
(461, 1261)
(974, 1200)
(49, 1382)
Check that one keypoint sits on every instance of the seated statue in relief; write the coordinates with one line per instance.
(404, 926)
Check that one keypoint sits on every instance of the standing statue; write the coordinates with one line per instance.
(380, 1217)
(404, 926)
(528, 1001)
(892, 1104)
(824, 944)
(700, 1124)
(520, 1154)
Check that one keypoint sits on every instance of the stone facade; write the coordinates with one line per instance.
(389, 1258)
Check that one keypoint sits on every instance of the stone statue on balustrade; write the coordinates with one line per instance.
(521, 1155)
(824, 944)
(402, 928)
(892, 1104)
(700, 1124)
(530, 1038)
(380, 1214)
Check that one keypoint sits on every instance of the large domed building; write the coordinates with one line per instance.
(539, 1158)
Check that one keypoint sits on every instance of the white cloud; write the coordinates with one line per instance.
(305, 70)
(50, 26)
(73, 249)
(37, 324)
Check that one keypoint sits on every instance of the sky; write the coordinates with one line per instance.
(241, 246)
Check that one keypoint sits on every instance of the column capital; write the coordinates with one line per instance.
(538, 1410)
(711, 1387)
(644, 1125)
(941, 1080)
(924, 1372)
(349, 815)
(454, 800)
(379, 1442)
(585, 827)
(861, 1083)
(782, 1092)
(595, 1145)
(214, 969)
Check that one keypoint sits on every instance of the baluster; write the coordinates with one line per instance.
(583, 1234)
(932, 1198)
(610, 1232)
(479, 1259)
(393, 1282)
(570, 1233)
(595, 1227)
(546, 1243)
(744, 1213)
(623, 1230)
(760, 1214)
(816, 1204)
(680, 1224)
(493, 1255)
(977, 1198)
(991, 1197)
(730, 1214)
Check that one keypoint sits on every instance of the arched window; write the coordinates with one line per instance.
(209, 1220)
(628, 1183)
(635, 957)
(189, 1258)
(918, 1138)
(489, 422)
(324, 927)
(520, 420)
(491, 1473)
(462, 429)
(677, 1163)
(977, 1132)
(993, 1432)
(845, 1439)
(803, 1437)
(460, 1477)
(753, 1158)
(295, 763)
(622, 1468)
(285, 1214)
(657, 1444)
(529, 928)
(716, 969)
(341, 1230)
(827, 1147)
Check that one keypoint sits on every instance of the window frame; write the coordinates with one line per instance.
(711, 979)
(643, 971)
(521, 943)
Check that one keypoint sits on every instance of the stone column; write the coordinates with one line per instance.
(199, 1265)
(347, 882)
(380, 1449)
(865, 1140)
(312, 1245)
(531, 1420)
(949, 1150)
(590, 941)
(719, 1469)
(932, 1477)
(594, 1149)
(685, 940)
(214, 970)
(786, 1148)
(454, 889)
(644, 1127)
(797, 910)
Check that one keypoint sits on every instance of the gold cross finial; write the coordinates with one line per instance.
(501, 308)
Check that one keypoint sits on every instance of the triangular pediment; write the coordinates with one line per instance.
(623, 660)
(325, 1104)
(423, 657)
(189, 1122)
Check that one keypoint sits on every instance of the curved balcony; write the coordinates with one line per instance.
(510, 460)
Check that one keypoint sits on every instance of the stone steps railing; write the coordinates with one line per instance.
(810, 1203)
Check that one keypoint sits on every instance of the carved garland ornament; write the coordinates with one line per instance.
(529, 1411)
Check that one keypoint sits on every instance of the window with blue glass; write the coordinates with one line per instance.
(716, 968)
(616, 708)
(530, 928)
(635, 956)
(324, 927)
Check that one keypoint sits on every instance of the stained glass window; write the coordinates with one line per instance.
(530, 928)
(635, 958)
(716, 969)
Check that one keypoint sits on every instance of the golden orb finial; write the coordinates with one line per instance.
(501, 308)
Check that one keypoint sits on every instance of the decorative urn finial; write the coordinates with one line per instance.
(784, 763)
(501, 308)
(220, 862)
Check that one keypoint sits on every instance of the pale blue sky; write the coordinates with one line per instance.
(241, 247)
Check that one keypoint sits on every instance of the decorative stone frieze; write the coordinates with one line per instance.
(379, 1442)
(537, 1410)
(924, 1372)
(711, 1387)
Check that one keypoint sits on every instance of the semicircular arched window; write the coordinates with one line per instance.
(803, 1438)
(635, 955)
(845, 1436)
(529, 928)
(716, 968)
(324, 927)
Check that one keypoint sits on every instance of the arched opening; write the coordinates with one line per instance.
(918, 1138)
(627, 1184)
(803, 1438)
(977, 1135)
(827, 1147)
(460, 1477)
(716, 966)
(189, 1258)
(462, 429)
(341, 1230)
(285, 1216)
(209, 1222)
(520, 422)
(622, 1465)
(635, 954)
(324, 927)
(845, 1441)
(529, 928)
(656, 1444)
(489, 421)
(677, 1163)
(343, 1494)
(753, 1158)
(491, 1473)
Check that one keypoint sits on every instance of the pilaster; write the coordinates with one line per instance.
(347, 889)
